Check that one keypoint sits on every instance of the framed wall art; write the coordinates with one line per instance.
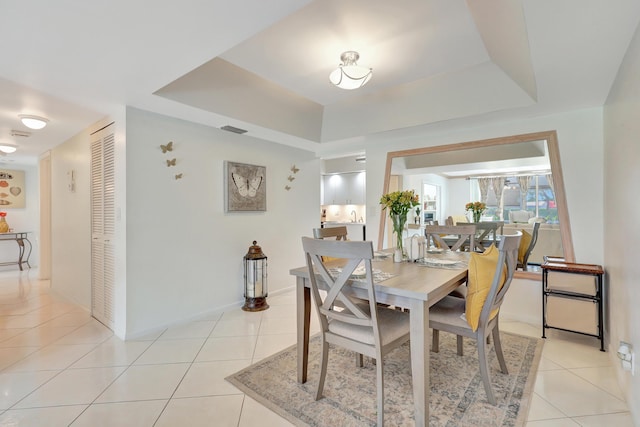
(245, 187)
(12, 193)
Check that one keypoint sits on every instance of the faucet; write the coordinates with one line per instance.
(354, 216)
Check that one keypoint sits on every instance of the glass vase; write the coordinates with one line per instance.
(476, 216)
(399, 221)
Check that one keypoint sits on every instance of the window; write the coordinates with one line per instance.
(539, 199)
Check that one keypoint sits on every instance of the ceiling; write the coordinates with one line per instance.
(264, 66)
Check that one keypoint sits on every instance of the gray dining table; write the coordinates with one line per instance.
(405, 284)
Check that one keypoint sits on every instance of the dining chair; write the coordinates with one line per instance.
(464, 233)
(488, 231)
(527, 244)
(339, 233)
(368, 328)
(476, 317)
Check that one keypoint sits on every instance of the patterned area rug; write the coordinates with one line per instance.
(457, 393)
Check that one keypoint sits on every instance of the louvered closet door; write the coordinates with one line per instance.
(102, 225)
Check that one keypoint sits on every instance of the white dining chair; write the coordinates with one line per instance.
(367, 328)
(460, 316)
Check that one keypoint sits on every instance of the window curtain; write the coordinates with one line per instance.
(523, 181)
(484, 183)
(498, 187)
(550, 181)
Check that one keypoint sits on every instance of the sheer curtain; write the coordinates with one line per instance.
(497, 184)
(550, 181)
(484, 183)
(523, 181)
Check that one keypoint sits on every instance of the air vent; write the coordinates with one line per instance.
(21, 133)
(233, 129)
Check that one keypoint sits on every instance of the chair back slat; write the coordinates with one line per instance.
(465, 233)
(355, 253)
(338, 233)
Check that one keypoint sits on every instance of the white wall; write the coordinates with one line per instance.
(621, 204)
(184, 253)
(71, 221)
(23, 219)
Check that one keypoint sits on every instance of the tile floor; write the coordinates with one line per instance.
(59, 367)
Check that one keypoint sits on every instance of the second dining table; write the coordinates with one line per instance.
(412, 285)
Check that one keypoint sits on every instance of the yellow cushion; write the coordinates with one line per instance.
(482, 268)
(525, 241)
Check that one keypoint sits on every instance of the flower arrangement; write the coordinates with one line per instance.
(476, 208)
(399, 203)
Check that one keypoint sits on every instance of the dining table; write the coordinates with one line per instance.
(415, 286)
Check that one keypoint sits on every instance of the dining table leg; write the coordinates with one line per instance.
(303, 320)
(419, 334)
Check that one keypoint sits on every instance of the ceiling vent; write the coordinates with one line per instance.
(233, 129)
(21, 133)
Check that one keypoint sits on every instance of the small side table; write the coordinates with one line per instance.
(576, 292)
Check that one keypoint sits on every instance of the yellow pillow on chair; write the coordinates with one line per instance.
(525, 241)
(482, 268)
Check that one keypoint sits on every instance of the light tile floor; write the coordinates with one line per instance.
(60, 367)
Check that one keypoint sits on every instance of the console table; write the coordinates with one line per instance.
(24, 247)
(581, 294)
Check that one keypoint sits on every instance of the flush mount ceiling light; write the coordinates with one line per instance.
(349, 75)
(7, 148)
(33, 122)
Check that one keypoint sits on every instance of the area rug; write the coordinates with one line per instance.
(457, 393)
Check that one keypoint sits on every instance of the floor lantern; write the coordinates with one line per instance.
(255, 279)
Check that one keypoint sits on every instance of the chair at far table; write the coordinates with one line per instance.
(489, 280)
(465, 233)
(488, 230)
(527, 244)
(364, 328)
(340, 233)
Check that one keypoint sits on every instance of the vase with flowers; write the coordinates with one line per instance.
(398, 204)
(4, 227)
(476, 209)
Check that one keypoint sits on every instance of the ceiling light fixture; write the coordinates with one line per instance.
(33, 122)
(349, 75)
(7, 148)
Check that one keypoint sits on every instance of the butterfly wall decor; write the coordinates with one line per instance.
(245, 187)
(294, 169)
(178, 176)
(291, 178)
(286, 187)
(168, 147)
(171, 162)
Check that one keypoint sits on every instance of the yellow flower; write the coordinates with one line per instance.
(399, 202)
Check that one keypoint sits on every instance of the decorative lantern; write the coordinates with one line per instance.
(255, 279)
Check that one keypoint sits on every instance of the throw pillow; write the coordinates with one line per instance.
(525, 241)
(482, 268)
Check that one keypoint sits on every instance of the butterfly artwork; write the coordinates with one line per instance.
(171, 162)
(291, 178)
(245, 188)
(286, 187)
(294, 169)
(166, 148)
(178, 176)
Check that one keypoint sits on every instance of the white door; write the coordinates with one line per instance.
(102, 224)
